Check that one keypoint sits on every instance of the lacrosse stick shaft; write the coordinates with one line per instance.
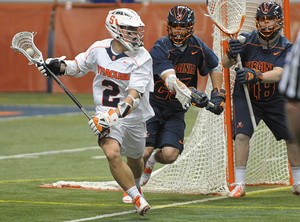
(196, 96)
(68, 92)
(238, 58)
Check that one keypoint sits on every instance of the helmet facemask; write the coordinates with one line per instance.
(269, 32)
(131, 37)
(179, 37)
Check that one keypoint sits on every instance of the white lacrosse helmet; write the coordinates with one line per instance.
(126, 26)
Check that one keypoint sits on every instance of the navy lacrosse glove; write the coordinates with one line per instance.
(234, 47)
(218, 98)
(53, 64)
(199, 103)
(248, 76)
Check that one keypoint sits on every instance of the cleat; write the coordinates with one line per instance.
(238, 191)
(127, 199)
(141, 205)
(147, 173)
(296, 188)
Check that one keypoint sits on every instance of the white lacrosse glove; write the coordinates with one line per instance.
(101, 123)
(183, 94)
(53, 64)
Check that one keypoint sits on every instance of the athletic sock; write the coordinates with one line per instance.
(240, 174)
(296, 174)
(152, 157)
(133, 192)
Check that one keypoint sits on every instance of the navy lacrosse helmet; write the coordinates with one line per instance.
(269, 10)
(180, 17)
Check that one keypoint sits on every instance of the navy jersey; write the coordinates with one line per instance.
(196, 57)
(254, 56)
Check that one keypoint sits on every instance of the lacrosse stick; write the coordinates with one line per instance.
(23, 42)
(229, 16)
(183, 92)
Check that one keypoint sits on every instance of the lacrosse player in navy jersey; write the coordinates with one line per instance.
(263, 54)
(289, 86)
(123, 80)
(177, 59)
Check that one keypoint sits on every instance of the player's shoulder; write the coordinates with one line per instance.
(195, 40)
(164, 43)
(285, 43)
(101, 44)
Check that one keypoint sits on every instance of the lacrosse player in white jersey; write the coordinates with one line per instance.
(123, 69)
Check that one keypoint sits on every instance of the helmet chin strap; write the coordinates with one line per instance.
(268, 44)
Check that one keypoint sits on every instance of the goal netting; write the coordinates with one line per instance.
(202, 168)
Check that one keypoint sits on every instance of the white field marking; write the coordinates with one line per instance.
(98, 157)
(34, 155)
(175, 204)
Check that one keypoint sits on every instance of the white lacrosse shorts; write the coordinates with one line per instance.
(132, 138)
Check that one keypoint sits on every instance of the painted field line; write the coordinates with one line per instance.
(34, 155)
(175, 204)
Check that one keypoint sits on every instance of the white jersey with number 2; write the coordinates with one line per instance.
(115, 75)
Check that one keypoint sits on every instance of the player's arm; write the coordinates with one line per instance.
(218, 95)
(101, 123)
(253, 76)
(234, 47)
(59, 67)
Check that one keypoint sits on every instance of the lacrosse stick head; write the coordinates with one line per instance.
(227, 15)
(269, 11)
(23, 42)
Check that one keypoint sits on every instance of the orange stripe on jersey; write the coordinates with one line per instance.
(90, 53)
(132, 59)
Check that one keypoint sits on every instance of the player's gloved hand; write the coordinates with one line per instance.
(218, 98)
(248, 76)
(234, 47)
(199, 103)
(53, 64)
(183, 94)
(101, 123)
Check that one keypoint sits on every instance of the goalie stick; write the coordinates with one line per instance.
(23, 42)
(229, 16)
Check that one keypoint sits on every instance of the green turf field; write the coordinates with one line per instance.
(49, 139)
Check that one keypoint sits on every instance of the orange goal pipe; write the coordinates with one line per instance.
(228, 122)
(286, 15)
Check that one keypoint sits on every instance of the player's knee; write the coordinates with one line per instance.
(170, 156)
(242, 139)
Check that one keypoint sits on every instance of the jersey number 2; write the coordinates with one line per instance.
(112, 91)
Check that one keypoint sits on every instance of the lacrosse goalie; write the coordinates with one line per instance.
(263, 54)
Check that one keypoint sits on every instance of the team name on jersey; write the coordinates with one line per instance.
(261, 66)
(185, 68)
(113, 74)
